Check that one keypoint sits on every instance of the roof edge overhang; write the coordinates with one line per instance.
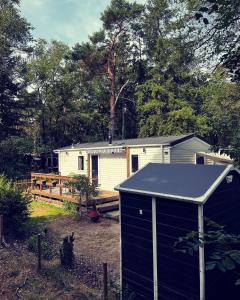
(109, 146)
(197, 200)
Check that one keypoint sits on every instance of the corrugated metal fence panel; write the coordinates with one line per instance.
(137, 255)
(223, 207)
(178, 274)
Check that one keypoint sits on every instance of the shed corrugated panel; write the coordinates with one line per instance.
(223, 207)
(185, 152)
(137, 255)
(178, 274)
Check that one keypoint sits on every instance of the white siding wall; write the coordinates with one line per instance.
(208, 161)
(68, 162)
(151, 154)
(112, 170)
(185, 152)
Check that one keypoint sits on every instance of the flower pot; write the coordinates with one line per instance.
(94, 215)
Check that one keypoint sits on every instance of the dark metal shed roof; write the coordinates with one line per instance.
(188, 182)
(157, 140)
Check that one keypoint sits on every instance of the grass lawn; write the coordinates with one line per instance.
(43, 213)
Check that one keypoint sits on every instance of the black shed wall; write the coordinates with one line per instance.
(137, 254)
(178, 274)
(223, 207)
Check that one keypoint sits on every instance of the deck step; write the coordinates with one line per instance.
(106, 207)
(113, 215)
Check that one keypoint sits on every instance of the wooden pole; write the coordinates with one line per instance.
(1, 229)
(105, 282)
(39, 253)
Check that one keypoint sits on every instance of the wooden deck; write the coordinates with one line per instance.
(103, 196)
(42, 188)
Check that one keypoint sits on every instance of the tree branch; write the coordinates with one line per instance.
(120, 91)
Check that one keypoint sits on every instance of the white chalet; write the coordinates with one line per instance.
(110, 164)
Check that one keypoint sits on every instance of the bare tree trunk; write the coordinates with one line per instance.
(111, 70)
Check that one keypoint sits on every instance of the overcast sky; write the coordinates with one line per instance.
(70, 21)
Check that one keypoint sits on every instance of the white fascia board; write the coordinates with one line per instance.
(153, 194)
(147, 145)
(214, 186)
(110, 146)
(191, 138)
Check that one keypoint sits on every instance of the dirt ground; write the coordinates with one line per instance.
(95, 243)
(98, 241)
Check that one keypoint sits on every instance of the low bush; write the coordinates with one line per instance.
(13, 206)
(46, 248)
(70, 207)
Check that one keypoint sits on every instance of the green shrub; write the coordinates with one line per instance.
(13, 206)
(70, 207)
(46, 250)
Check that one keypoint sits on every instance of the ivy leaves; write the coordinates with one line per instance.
(225, 247)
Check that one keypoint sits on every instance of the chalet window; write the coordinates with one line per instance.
(200, 160)
(134, 163)
(81, 163)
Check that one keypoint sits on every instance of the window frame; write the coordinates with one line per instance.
(81, 163)
(134, 168)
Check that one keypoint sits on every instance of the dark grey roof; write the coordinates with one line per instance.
(158, 140)
(178, 181)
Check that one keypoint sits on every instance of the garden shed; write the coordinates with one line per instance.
(163, 202)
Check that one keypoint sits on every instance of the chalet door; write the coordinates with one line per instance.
(95, 169)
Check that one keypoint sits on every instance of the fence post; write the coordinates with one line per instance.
(39, 252)
(1, 229)
(105, 282)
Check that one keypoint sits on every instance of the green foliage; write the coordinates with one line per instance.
(218, 37)
(67, 251)
(224, 247)
(14, 36)
(13, 207)
(70, 207)
(127, 294)
(46, 249)
(166, 102)
(83, 186)
(15, 158)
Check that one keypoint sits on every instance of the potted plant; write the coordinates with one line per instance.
(94, 214)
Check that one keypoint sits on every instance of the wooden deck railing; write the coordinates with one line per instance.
(47, 177)
(52, 186)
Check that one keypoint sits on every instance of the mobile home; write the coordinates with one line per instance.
(110, 164)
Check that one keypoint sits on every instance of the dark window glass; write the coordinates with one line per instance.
(81, 163)
(134, 163)
(200, 160)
